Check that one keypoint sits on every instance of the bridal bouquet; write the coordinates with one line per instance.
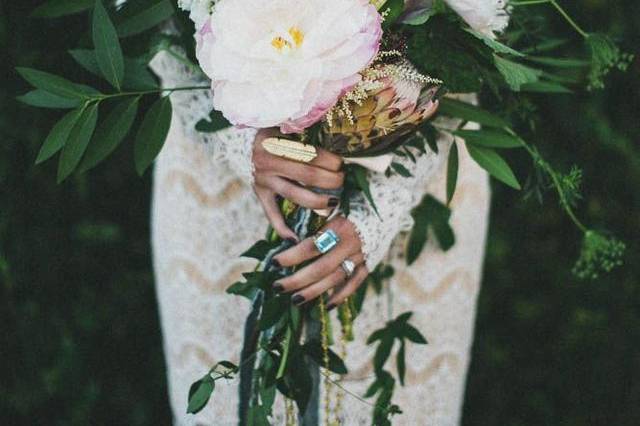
(358, 78)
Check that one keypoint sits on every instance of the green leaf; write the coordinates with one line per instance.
(142, 20)
(108, 50)
(257, 416)
(493, 44)
(299, 381)
(420, 13)
(430, 135)
(378, 335)
(110, 133)
(245, 289)
(199, 394)
(395, 8)
(516, 74)
(559, 62)
(489, 138)
(229, 365)
(545, 87)
(401, 362)
(382, 353)
(469, 112)
(429, 214)
(362, 180)
(57, 8)
(55, 84)
(58, 135)
(273, 311)
(313, 349)
(452, 171)
(77, 142)
(260, 249)
(412, 333)
(152, 133)
(400, 169)
(136, 76)
(216, 122)
(43, 99)
(493, 163)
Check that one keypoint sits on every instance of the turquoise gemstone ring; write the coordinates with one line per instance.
(326, 241)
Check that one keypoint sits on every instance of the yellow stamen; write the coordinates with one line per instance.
(296, 35)
(280, 43)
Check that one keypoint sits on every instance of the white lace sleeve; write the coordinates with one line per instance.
(394, 197)
(232, 145)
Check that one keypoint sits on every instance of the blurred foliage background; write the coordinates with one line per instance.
(80, 340)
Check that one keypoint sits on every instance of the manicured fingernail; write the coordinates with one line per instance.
(292, 241)
(333, 201)
(275, 263)
(330, 306)
(278, 288)
(297, 299)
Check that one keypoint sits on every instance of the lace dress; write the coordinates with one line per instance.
(205, 214)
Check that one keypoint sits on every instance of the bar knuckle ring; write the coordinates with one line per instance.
(348, 266)
(326, 241)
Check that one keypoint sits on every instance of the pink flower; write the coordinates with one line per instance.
(285, 63)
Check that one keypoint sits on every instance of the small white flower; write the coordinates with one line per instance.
(285, 62)
(485, 16)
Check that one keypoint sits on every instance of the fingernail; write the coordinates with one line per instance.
(297, 299)
(292, 241)
(275, 263)
(278, 288)
(330, 306)
(333, 201)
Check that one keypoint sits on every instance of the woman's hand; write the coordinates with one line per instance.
(326, 272)
(279, 176)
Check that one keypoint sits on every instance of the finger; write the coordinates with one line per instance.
(307, 249)
(297, 254)
(430, 109)
(327, 160)
(350, 287)
(272, 211)
(311, 292)
(305, 173)
(319, 269)
(299, 195)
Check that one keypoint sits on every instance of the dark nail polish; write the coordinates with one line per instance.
(333, 201)
(275, 263)
(297, 299)
(278, 288)
(292, 241)
(330, 306)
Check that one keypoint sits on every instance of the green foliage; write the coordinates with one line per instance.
(605, 56)
(152, 133)
(108, 51)
(598, 254)
(429, 215)
(216, 122)
(395, 331)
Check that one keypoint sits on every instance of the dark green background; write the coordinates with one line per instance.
(80, 341)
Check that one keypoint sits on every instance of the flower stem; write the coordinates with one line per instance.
(560, 10)
(102, 97)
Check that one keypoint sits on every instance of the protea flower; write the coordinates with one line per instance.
(382, 114)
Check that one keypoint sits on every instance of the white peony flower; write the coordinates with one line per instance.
(485, 16)
(286, 62)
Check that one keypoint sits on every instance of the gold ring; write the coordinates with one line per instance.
(292, 150)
